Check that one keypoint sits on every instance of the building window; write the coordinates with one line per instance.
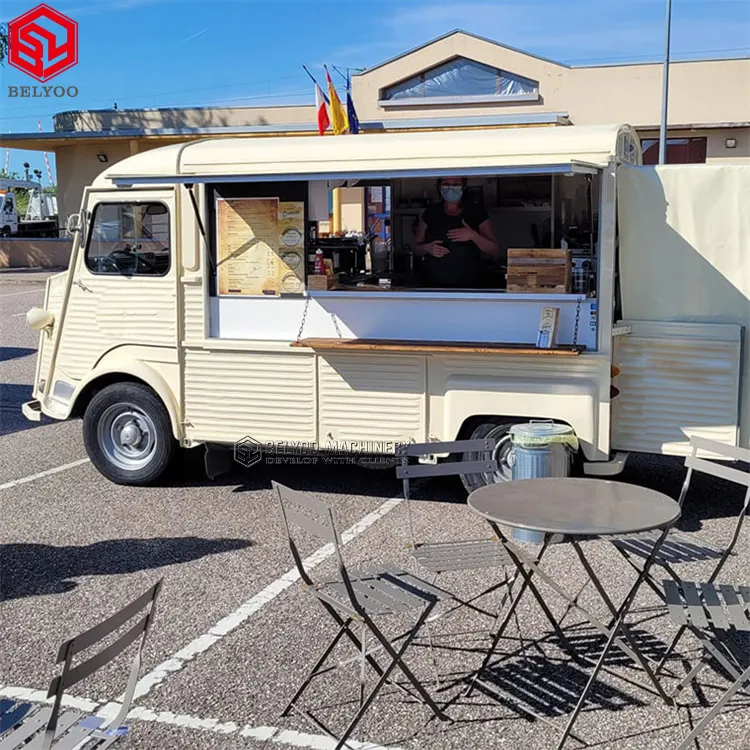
(679, 150)
(462, 79)
(129, 239)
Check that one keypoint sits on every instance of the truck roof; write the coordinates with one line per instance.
(316, 157)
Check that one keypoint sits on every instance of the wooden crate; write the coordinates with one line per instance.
(547, 270)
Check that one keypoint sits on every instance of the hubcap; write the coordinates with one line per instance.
(501, 454)
(127, 436)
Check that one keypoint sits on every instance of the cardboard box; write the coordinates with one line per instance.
(320, 282)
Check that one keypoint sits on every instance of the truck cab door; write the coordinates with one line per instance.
(8, 215)
(123, 290)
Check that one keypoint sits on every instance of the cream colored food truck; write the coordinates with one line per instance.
(191, 313)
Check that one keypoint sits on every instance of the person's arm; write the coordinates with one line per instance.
(483, 237)
(422, 248)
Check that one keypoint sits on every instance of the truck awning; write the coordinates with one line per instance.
(540, 150)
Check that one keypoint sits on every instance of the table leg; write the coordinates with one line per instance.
(625, 630)
(511, 609)
(621, 614)
(517, 554)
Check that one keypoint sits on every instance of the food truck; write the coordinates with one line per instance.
(204, 306)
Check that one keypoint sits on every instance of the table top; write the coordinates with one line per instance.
(580, 507)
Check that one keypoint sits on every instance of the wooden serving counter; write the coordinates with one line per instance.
(466, 347)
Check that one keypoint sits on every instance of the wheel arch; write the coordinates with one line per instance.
(135, 372)
(469, 423)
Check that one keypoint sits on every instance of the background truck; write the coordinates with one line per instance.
(40, 218)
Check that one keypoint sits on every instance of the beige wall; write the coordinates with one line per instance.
(78, 166)
(35, 253)
(702, 92)
(366, 87)
(352, 209)
(197, 117)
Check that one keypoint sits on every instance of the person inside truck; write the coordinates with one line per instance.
(452, 238)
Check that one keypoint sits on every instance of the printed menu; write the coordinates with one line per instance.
(260, 244)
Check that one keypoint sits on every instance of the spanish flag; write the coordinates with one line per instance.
(339, 120)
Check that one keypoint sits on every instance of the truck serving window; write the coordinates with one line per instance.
(129, 239)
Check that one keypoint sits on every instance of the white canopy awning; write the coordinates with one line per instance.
(373, 155)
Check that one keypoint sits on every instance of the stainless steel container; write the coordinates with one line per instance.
(540, 450)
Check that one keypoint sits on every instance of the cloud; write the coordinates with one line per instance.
(193, 36)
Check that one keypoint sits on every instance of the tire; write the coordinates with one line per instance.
(5, 232)
(128, 435)
(498, 429)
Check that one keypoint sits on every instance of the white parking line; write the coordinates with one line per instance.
(17, 294)
(262, 734)
(17, 315)
(232, 621)
(40, 696)
(46, 473)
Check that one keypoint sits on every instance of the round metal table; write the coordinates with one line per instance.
(576, 509)
(579, 507)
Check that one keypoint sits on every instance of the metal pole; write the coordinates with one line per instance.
(665, 90)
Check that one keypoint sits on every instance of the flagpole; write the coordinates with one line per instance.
(665, 89)
(312, 78)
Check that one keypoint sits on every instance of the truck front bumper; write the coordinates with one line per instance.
(32, 410)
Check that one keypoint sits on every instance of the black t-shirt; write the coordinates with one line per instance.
(462, 266)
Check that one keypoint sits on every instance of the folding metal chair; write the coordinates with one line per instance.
(713, 613)
(357, 597)
(42, 728)
(679, 547)
(442, 557)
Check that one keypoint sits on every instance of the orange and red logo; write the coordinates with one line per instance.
(43, 43)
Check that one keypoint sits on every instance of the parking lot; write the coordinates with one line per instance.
(234, 634)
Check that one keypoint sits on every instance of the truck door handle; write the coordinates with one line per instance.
(79, 283)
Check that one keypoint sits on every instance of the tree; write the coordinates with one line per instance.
(3, 43)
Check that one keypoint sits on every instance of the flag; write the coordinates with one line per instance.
(324, 122)
(351, 113)
(338, 113)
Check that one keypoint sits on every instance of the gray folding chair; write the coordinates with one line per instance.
(357, 597)
(41, 728)
(679, 547)
(442, 557)
(713, 613)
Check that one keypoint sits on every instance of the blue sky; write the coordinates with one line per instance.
(157, 53)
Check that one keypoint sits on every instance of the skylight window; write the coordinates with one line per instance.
(462, 79)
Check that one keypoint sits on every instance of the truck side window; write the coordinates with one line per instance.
(129, 239)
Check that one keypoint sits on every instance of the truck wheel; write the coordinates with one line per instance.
(127, 434)
(498, 430)
(5, 232)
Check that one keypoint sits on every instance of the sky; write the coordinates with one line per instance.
(161, 53)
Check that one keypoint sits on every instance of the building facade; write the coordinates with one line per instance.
(456, 81)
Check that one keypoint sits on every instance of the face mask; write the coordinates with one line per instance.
(451, 193)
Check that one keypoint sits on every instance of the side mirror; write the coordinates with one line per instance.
(74, 223)
(39, 318)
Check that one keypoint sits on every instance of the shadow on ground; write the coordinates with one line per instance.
(14, 352)
(38, 569)
(12, 396)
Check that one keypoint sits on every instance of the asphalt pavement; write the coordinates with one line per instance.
(235, 633)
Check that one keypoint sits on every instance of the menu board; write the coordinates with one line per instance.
(260, 246)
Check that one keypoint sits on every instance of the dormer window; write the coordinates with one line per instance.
(461, 81)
